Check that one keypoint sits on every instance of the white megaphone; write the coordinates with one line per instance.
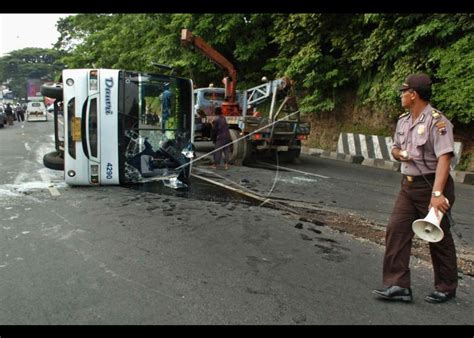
(428, 228)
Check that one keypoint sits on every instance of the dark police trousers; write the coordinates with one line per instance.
(411, 204)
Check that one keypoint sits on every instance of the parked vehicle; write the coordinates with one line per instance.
(3, 117)
(36, 111)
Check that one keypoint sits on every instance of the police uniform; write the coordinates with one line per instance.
(425, 139)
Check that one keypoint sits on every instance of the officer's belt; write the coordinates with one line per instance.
(429, 177)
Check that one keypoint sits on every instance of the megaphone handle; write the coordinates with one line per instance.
(448, 213)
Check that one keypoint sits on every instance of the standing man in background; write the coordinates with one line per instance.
(221, 139)
(165, 105)
(9, 114)
(20, 114)
(424, 144)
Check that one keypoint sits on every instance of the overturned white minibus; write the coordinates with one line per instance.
(118, 127)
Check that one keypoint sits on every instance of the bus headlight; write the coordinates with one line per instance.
(71, 173)
(69, 82)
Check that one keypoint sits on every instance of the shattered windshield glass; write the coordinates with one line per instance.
(156, 129)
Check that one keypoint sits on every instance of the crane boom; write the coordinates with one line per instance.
(230, 106)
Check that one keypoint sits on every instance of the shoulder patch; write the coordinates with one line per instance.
(404, 114)
(441, 125)
(436, 114)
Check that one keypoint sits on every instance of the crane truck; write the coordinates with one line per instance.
(280, 130)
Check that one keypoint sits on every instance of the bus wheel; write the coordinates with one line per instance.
(53, 161)
(53, 90)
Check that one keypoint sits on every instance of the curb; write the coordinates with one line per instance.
(466, 177)
(311, 151)
(332, 155)
(379, 163)
(342, 157)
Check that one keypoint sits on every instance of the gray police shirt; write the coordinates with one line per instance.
(429, 137)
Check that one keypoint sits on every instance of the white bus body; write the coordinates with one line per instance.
(114, 131)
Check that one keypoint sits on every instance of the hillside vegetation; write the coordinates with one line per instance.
(347, 67)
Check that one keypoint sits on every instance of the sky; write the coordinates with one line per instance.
(19, 31)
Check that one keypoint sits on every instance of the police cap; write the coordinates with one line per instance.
(417, 82)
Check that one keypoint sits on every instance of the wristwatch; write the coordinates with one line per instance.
(436, 193)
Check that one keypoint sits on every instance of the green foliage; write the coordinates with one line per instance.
(313, 50)
(326, 54)
(437, 44)
(454, 92)
(29, 63)
(464, 162)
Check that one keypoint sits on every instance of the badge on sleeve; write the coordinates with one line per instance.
(441, 125)
(421, 130)
(436, 115)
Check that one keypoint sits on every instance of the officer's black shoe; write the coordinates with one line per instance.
(395, 292)
(439, 297)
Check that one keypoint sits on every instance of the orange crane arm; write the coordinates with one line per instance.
(190, 40)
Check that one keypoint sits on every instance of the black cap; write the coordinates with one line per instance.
(417, 82)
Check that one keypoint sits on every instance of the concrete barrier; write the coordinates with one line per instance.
(377, 150)
(368, 146)
(465, 177)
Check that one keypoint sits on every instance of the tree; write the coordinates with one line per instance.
(328, 55)
(29, 63)
(136, 41)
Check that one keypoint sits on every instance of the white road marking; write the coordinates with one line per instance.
(297, 171)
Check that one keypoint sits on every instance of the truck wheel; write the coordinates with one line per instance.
(241, 150)
(53, 90)
(53, 161)
(291, 155)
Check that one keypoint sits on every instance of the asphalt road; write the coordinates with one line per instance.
(114, 255)
(343, 187)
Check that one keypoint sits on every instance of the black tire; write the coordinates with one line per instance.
(53, 90)
(291, 155)
(53, 161)
(241, 150)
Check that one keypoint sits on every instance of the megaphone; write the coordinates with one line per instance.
(428, 228)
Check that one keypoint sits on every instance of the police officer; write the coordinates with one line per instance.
(424, 145)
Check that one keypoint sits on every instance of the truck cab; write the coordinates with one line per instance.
(206, 100)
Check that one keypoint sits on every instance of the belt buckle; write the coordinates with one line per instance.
(410, 178)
